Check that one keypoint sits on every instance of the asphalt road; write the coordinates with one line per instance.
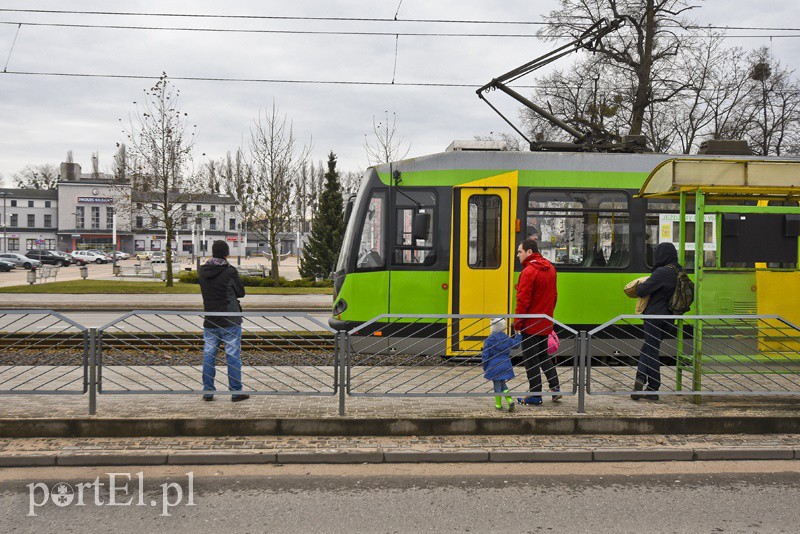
(508, 498)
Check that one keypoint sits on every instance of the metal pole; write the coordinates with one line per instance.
(583, 351)
(5, 238)
(92, 371)
(342, 360)
(114, 241)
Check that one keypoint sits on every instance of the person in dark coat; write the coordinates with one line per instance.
(536, 294)
(496, 359)
(659, 287)
(221, 289)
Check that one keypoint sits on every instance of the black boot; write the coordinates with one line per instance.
(637, 386)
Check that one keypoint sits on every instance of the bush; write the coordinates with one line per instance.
(190, 277)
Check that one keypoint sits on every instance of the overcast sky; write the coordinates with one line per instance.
(42, 117)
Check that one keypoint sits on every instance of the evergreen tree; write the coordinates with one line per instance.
(327, 227)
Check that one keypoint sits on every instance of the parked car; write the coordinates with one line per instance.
(143, 255)
(108, 255)
(90, 256)
(120, 255)
(19, 260)
(6, 266)
(64, 256)
(78, 260)
(48, 257)
(158, 257)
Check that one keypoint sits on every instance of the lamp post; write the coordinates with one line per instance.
(114, 243)
(5, 239)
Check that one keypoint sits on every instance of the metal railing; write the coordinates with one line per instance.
(42, 352)
(694, 355)
(397, 355)
(162, 352)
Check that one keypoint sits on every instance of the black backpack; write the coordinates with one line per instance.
(683, 296)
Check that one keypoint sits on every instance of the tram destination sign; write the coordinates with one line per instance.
(96, 200)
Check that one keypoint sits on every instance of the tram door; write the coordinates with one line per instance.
(482, 261)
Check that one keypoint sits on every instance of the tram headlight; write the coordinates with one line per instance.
(339, 307)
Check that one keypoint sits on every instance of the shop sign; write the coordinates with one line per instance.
(96, 200)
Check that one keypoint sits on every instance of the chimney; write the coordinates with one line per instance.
(70, 172)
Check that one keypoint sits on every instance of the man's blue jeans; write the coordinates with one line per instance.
(232, 337)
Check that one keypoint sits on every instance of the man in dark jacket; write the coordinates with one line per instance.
(536, 294)
(660, 287)
(221, 288)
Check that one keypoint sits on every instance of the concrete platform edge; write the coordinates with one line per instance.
(344, 426)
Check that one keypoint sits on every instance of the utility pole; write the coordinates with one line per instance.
(5, 226)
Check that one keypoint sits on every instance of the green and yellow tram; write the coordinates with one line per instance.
(437, 235)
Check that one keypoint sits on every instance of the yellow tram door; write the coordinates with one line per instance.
(481, 259)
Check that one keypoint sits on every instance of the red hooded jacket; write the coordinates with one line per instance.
(536, 294)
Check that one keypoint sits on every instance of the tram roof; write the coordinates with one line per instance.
(751, 178)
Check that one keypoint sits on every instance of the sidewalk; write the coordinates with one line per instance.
(339, 450)
(128, 302)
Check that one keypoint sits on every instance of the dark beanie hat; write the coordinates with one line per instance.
(220, 249)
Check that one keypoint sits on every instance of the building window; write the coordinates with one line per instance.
(198, 222)
(213, 207)
(580, 228)
(183, 207)
(109, 217)
(48, 221)
(154, 224)
(31, 220)
(139, 223)
(213, 223)
(95, 217)
(184, 223)
(30, 203)
(13, 243)
(139, 205)
(155, 244)
(13, 203)
(14, 221)
(154, 206)
(199, 207)
(79, 216)
(232, 224)
(47, 204)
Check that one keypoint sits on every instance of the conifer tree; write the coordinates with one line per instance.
(327, 227)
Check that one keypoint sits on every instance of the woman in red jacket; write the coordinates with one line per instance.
(536, 294)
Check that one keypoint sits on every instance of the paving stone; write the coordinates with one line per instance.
(765, 453)
(573, 455)
(330, 457)
(220, 458)
(642, 455)
(110, 459)
(436, 456)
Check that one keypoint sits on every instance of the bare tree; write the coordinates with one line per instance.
(239, 181)
(160, 141)
(36, 177)
(277, 159)
(386, 144)
(777, 99)
(641, 48)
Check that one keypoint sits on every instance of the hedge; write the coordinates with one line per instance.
(190, 277)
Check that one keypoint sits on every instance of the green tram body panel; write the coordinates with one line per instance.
(585, 298)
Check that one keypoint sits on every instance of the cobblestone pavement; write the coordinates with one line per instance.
(411, 443)
(152, 406)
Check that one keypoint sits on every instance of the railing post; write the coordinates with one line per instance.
(583, 351)
(92, 371)
(340, 357)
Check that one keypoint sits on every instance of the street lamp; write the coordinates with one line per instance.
(5, 239)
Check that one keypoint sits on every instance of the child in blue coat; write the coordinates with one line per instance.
(496, 358)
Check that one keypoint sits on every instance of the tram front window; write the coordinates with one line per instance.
(371, 243)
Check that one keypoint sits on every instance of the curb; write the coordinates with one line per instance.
(378, 456)
(444, 426)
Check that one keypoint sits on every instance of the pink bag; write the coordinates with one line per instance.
(553, 343)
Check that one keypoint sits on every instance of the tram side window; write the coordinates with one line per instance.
(484, 232)
(415, 214)
(662, 224)
(371, 243)
(581, 228)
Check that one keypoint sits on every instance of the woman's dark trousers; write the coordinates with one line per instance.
(649, 370)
